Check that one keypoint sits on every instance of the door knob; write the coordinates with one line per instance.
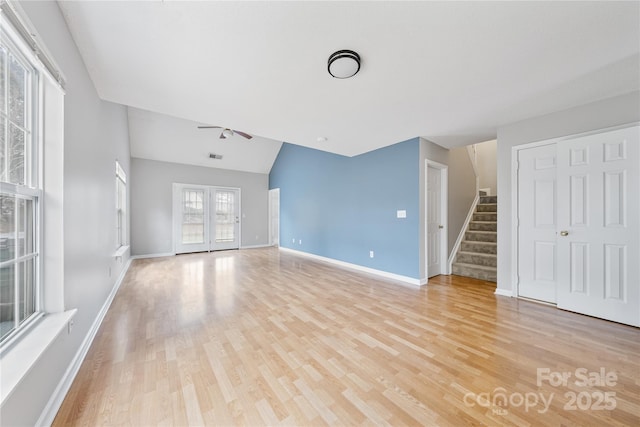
(564, 233)
(441, 226)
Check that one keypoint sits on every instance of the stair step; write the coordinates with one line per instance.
(488, 199)
(475, 258)
(487, 207)
(481, 236)
(483, 226)
(479, 247)
(475, 271)
(485, 216)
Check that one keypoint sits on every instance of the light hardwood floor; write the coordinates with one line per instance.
(259, 337)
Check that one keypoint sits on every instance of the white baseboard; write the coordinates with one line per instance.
(167, 254)
(350, 266)
(255, 246)
(161, 255)
(503, 292)
(53, 405)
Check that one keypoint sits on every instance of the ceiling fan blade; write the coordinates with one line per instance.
(209, 127)
(246, 135)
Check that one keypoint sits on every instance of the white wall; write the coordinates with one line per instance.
(487, 166)
(96, 134)
(609, 112)
(461, 191)
(152, 208)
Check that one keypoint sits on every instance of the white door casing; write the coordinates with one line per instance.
(537, 210)
(598, 245)
(274, 217)
(436, 201)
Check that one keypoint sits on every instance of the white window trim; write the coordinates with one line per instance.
(122, 226)
(31, 189)
(20, 352)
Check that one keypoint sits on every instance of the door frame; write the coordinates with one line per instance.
(444, 199)
(177, 195)
(515, 280)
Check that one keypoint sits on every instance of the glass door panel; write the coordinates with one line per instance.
(226, 219)
(191, 218)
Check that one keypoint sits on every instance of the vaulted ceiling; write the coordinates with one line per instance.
(452, 72)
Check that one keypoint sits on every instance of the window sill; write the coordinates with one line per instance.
(121, 251)
(18, 360)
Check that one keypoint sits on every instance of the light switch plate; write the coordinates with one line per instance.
(402, 214)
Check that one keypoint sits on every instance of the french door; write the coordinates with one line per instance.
(205, 218)
(579, 224)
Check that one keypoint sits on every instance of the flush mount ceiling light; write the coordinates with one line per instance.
(344, 64)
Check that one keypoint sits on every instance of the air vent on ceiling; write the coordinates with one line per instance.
(215, 156)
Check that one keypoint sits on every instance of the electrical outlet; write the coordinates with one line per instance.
(300, 241)
(370, 254)
(70, 326)
(293, 240)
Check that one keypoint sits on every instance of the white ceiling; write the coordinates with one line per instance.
(452, 72)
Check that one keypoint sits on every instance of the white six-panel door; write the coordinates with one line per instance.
(598, 243)
(579, 224)
(537, 210)
(435, 228)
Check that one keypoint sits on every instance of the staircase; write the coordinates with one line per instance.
(477, 254)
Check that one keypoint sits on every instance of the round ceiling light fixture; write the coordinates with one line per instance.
(344, 64)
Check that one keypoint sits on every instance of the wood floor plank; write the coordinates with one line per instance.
(261, 337)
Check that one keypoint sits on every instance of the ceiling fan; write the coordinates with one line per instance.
(226, 132)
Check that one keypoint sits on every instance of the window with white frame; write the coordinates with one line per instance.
(20, 189)
(121, 207)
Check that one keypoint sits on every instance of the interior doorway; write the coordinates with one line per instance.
(436, 218)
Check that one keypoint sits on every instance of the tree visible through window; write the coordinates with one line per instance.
(20, 192)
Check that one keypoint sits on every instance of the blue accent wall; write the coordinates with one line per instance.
(343, 207)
